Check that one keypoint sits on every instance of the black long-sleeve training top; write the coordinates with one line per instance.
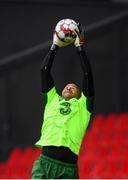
(87, 85)
(63, 153)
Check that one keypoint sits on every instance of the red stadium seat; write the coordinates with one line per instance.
(97, 123)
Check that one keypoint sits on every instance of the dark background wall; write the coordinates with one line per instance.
(25, 26)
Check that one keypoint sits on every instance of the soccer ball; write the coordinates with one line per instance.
(66, 30)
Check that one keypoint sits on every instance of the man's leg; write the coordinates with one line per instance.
(38, 170)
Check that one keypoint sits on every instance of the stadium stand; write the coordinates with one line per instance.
(103, 152)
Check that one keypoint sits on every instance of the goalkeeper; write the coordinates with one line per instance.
(66, 118)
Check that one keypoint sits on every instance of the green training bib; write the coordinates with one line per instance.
(65, 122)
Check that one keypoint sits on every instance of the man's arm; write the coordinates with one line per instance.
(46, 78)
(88, 85)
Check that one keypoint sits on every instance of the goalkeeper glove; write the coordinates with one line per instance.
(80, 38)
(58, 42)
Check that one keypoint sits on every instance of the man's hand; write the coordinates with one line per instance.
(58, 42)
(80, 38)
